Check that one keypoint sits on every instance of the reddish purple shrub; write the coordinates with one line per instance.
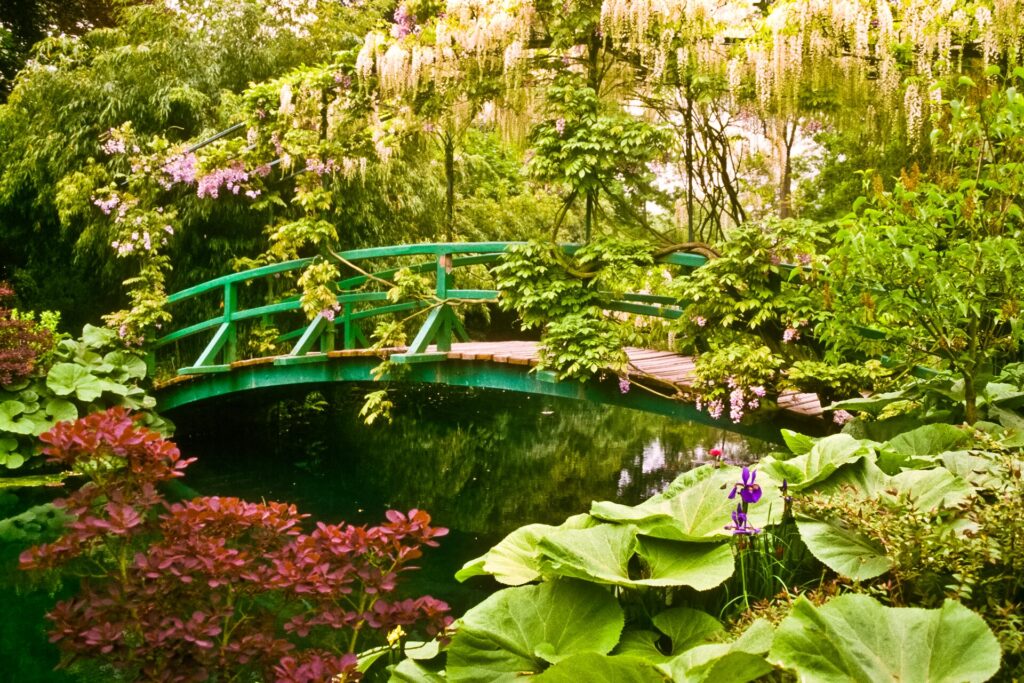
(215, 587)
(22, 342)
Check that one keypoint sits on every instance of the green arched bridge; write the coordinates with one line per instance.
(205, 359)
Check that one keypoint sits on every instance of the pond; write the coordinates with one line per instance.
(481, 462)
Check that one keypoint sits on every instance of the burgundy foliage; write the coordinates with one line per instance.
(208, 588)
(22, 342)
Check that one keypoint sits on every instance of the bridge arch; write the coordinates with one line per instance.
(327, 349)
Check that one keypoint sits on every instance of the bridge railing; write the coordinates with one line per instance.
(327, 332)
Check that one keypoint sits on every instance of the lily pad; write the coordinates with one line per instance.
(855, 638)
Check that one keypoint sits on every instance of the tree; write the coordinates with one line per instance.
(936, 262)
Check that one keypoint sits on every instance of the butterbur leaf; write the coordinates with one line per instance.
(824, 458)
(596, 668)
(699, 512)
(855, 638)
(65, 379)
(126, 363)
(602, 554)
(737, 662)
(515, 560)
(842, 549)
(13, 420)
(524, 629)
(687, 627)
(796, 442)
(411, 671)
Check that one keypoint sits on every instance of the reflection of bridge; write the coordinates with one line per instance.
(328, 350)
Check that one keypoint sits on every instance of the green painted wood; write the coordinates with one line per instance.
(204, 370)
(254, 274)
(220, 338)
(229, 351)
(393, 308)
(309, 337)
(312, 357)
(433, 324)
(456, 373)
(411, 358)
(186, 332)
(641, 309)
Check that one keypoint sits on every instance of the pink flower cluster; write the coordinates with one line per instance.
(114, 144)
(741, 399)
(107, 205)
(179, 169)
(314, 165)
(231, 178)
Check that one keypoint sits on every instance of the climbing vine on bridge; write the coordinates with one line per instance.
(562, 296)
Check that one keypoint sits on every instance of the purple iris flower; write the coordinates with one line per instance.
(748, 490)
(740, 525)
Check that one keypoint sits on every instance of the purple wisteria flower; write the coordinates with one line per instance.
(624, 385)
(749, 491)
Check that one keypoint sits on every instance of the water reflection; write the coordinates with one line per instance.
(482, 462)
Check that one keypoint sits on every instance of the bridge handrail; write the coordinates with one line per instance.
(447, 256)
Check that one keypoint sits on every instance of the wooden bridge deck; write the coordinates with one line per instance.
(663, 370)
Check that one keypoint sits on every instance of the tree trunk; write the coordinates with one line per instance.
(786, 181)
(689, 159)
(970, 399)
(588, 226)
(449, 179)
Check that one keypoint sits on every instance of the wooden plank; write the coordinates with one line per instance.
(265, 360)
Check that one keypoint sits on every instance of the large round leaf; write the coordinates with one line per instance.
(515, 560)
(825, 457)
(594, 668)
(842, 549)
(853, 638)
(524, 629)
(603, 553)
(737, 662)
(695, 508)
(65, 379)
(13, 419)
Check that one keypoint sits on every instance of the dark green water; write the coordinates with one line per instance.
(481, 462)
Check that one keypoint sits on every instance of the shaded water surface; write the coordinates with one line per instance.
(482, 462)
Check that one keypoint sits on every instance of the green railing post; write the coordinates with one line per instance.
(327, 338)
(349, 341)
(443, 340)
(230, 307)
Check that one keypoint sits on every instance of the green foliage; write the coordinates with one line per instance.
(935, 262)
(91, 373)
(563, 295)
(594, 151)
(854, 638)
